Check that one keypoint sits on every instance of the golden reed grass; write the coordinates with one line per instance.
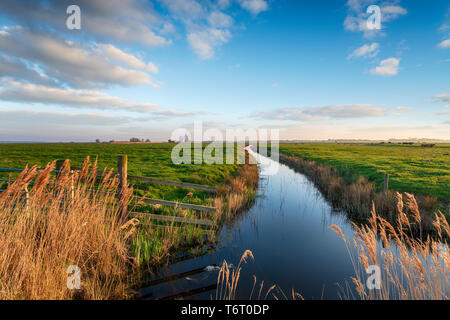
(228, 278)
(411, 268)
(237, 193)
(63, 220)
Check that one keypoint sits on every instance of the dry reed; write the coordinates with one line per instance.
(238, 192)
(228, 278)
(355, 195)
(411, 268)
(64, 220)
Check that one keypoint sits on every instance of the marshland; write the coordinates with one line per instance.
(299, 239)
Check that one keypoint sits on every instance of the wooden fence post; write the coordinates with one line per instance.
(386, 182)
(122, 169)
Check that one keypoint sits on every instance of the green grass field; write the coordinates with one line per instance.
(153, 242)
(411, 168)
(148, 160)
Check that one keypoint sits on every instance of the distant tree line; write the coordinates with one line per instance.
(131, 140)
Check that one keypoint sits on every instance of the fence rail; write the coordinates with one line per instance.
(182, 205)
(173, 183)
(140, 179)
(123, 185)
(173, 218)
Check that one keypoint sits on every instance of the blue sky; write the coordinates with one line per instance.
(144, 68)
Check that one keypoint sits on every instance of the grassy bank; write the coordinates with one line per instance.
(409, 268)
(156, 241)
(111, 252)
(147, 160)
(412, 169)
(355, 194)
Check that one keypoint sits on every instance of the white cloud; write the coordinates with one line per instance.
(130, 21)
(186, 9)
(31, 93)
(223, 4)
(387, 67)
(347, 111)
(168, 28)
(204, 41)
(207, 28)
(126, 59)
(365, 51)
(391, 12)
(62, 118)
(254, 6)
(444, 44)
(219, 19)
(207, 24)
(317, 113)
(444, 97)
(356, 19)
(400, 110)
(69, 62)
(13, 68)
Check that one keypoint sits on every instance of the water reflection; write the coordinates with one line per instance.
(287, 231)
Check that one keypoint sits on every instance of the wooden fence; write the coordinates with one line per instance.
(122, 172)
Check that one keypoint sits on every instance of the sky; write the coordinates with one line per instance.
(138, 68)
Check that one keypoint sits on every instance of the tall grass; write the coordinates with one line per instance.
(237, 193)
(228, 280)
(55, 225)
(355, 194)
(411, 268)
(155, 242)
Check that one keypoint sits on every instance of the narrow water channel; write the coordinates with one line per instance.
(287, 231)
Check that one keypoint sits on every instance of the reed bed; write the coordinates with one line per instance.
(355, 194)
(50, 223)
(410, 268)
(228, 279)
(65, 220)
(154, 243)
(237, 193)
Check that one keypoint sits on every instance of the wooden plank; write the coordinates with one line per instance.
(171, 278)
(173, 218)
(11, 169)
(174, 183)
(178, 204)
(188, 293)
(166, 182)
